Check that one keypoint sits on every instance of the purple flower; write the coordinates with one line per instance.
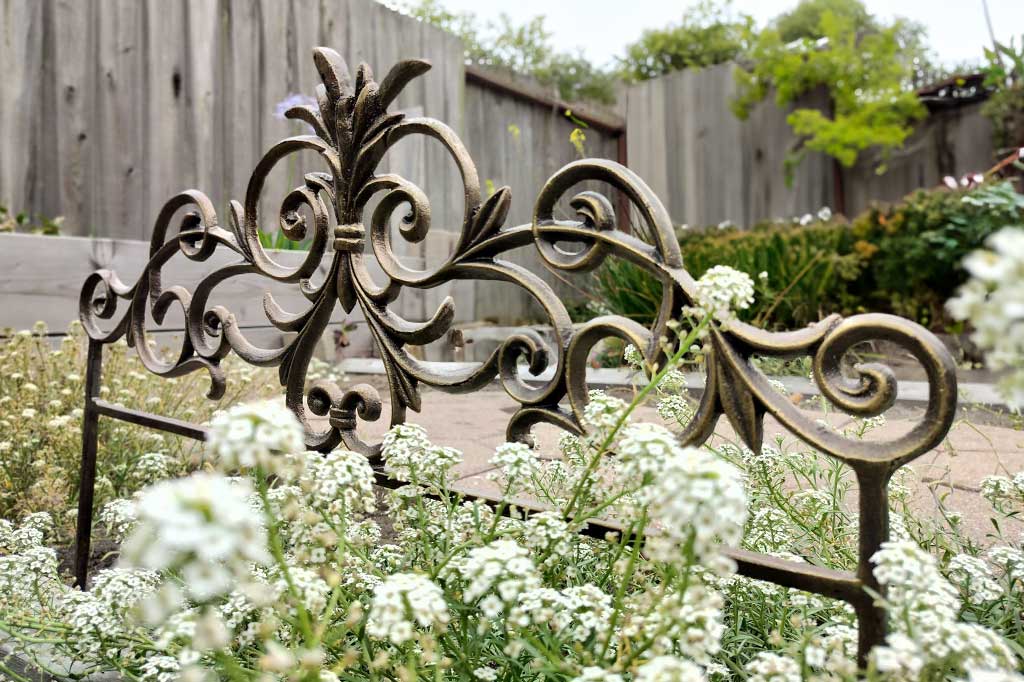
(292, 100)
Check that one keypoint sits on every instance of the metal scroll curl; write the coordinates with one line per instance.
(352, 132)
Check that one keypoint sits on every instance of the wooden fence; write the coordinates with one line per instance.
(519, 137)
(108, 108)
(708, 166)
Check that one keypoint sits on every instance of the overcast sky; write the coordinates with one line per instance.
(956, 30)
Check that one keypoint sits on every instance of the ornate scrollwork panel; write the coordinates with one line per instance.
(352, 132)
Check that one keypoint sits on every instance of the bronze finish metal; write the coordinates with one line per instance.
(353, 130)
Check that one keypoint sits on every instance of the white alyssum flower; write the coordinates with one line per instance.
(974, 578)
(401, 603)
(201, 526)
(160, 668)
(1005, 494)
(595, 674)
(152, 467)
(769, 667)
(675, 408)
(992, 300)
(576, 613)
(722, 290)
(602, 413)
(669, 669)
(1009, 561)
(547, 535)
(634, 358)
(338, 484)
(93, 620)
(313, 591)
(254, 436)
(833, 650)
(589, 609)
(643, 450)
(28, 570)
(924, 610)
(689, 623)
(503, 567)
(122, 588)
(697, 501)
(118, 517)
(902, 567)
(410, 456)
(518, 464)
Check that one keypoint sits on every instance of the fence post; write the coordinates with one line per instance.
(87, 481)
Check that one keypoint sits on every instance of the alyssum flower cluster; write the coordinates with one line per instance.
(272, 563)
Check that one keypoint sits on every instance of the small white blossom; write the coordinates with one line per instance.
(768, 667)
(254, 435)
(503, 567)
(518, 463)
(992, 300)
(669, 669)
(697, 502)
(409, 456)
(202, 526)
(722, 290)
(402, 602)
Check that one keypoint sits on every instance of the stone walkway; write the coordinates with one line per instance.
(975, 448)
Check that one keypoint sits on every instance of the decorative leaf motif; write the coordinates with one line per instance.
(353, 131)
(491, 216)
(398, 77)
(736, 400)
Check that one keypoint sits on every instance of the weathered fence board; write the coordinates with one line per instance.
(107, 109)
(950, 142)
(520, 143)
(709, 167)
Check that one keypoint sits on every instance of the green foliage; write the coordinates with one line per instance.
(41, 382)
(709, 34)
(1004, 74)
(804, 20)
(915, 248)
(904, 259)
(809, 267)
(278, 240)
(28, 224)
(863, 67)
(524, 48)
(625, 289)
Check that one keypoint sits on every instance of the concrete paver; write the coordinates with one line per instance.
(475, 424)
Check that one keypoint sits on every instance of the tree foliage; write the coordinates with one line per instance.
(709, 34)
(863, 65)
(524, 48)
(1004, 75)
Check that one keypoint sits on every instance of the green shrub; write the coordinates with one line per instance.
(915, 248)
(807, 268)
(904, 259)
(1004, 75)
(28, 224)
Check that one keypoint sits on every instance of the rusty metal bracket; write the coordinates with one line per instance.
(352, 131)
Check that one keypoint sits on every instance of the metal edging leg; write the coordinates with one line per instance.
(87, 472)
(874, 530)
